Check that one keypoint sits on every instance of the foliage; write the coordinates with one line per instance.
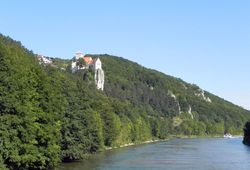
(29, 129)
(142, 87)
(49, 115)
(246, 139)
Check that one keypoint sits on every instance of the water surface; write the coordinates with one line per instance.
(178, 154)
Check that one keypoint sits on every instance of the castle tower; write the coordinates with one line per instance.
(99, 74)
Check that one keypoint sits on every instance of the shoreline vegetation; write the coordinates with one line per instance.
(155, 141)
(134, 144)
(168, 139)
(246, 139)
(49, 114)
(171, 137)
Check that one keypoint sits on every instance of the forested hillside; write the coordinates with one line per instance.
(128, 81)
(246, 139)
(49, 115)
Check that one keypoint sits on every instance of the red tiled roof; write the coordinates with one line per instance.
(88, 60)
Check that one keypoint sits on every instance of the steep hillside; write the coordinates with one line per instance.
(49, 114)
(169, 96)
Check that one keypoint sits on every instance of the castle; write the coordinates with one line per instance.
(44, 60)
(81, 62)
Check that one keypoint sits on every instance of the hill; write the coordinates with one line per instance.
(49, 114)
(170, 97)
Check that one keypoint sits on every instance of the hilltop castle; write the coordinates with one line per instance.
(81, 62)
(43, 60)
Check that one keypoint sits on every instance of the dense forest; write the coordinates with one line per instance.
(49, 115)
(246, 139)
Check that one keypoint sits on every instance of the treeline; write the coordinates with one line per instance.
(48, 115)
(246, 139)
(140, 85)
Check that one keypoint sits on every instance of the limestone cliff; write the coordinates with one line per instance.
(99, 78)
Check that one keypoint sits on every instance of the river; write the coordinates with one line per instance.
(177, 154)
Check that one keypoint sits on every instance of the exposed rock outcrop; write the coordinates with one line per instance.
(175, 99)
(44, 60)
(99, 79)
(190, 112)
(200, 93)
(81, 62)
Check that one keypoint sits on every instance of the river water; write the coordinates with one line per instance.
(177, 154)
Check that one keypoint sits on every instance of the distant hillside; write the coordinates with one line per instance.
(49, 114)
(128, 81)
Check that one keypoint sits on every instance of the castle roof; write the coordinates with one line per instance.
(88, 60)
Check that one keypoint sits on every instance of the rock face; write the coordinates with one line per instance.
(81, 62)
(200, 93)
(44, 60)
(99, 78)
(99, 74)
(246, 139)
(190, 112)
(175, 99)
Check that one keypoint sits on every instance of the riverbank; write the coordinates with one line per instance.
(167, 139)
(133, 144)
(175, 154)
(171, 137)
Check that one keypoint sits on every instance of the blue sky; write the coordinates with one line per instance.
(205, 42)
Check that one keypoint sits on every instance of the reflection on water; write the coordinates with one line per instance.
(179, 154)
